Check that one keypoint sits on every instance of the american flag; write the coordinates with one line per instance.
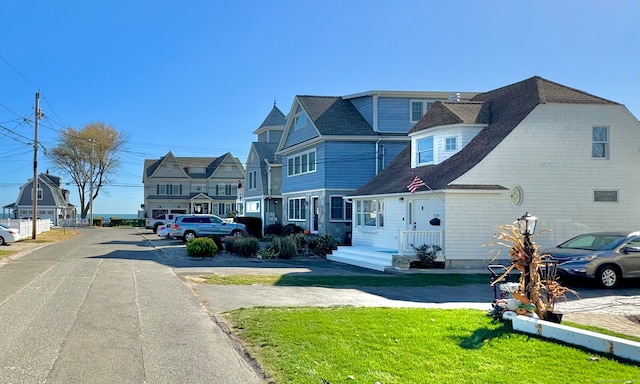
(415, 184)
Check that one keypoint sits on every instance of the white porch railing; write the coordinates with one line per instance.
(25, 226)
(408, 239)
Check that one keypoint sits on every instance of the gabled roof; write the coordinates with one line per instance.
(275, 118)
(502, 109)
(333, 115)
(209, 163)
(266, 153)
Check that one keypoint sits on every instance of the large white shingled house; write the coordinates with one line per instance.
(561, 154)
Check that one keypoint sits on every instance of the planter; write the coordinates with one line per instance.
(553, 316)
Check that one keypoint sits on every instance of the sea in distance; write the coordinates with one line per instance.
(105, 216)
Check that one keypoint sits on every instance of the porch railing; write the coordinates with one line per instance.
(408, 239)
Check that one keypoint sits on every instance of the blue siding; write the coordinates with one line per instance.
(364, 105)
(393, 114)
(391, 150)
(349, 164)
(301, 134)
(305, 181)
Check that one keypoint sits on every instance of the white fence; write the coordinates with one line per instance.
(409, 239)
(26, 226)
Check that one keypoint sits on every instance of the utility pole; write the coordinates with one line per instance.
(34, 217)
(91, 188)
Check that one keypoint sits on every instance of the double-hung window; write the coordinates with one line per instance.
(301, 163)
(297, 209)
(418, 109)
(600, 143)
(425, 150)
(253, 176)
(341, 209)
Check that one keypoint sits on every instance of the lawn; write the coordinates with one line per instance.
(51, 236)
(411, 280)
(383, 345)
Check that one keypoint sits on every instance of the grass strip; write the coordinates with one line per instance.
(413, 280)
(385, 345)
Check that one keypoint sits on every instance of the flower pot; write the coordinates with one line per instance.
(552, 316)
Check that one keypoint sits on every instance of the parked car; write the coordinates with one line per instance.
(9, 235)
(187, 227)
(606, 256)
(163, 230)
(163, 219)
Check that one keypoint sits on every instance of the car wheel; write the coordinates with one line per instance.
(236, 233)
(190, 235)
(155, 228)
(608, 276)
(2, 242)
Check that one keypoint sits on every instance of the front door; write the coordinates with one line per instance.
(314, 214)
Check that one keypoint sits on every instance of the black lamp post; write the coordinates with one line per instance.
(527, 227)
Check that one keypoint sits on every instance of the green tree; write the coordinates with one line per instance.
(88, 154)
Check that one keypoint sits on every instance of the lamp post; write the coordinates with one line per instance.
(527, 227)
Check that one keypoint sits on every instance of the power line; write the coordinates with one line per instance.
(18, 72)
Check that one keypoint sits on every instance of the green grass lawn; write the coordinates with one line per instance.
(383, 345)
(412, 280)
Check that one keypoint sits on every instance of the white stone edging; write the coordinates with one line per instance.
(592, 340)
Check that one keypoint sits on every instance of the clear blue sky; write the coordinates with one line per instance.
(197, 77)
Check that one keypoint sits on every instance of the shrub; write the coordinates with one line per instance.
(287, 247)
(268, 253)
(228, 243)
(291, 229)
(201, 247)
(321, 245)
(427, 253)
(246, 246)
(273, 229)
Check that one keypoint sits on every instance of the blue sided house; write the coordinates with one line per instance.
(332, 145)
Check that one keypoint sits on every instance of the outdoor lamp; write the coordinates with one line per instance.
(527, 224)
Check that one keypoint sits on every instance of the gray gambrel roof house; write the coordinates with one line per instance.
(502, 109)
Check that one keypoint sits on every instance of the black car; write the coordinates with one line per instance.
(606, 256)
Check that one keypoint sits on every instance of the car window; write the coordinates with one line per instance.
(216, 220)
(593, 242)
(635, 243)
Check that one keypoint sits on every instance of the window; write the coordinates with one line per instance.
(370, 213)
(253, 176)
(198, 188)
(226, 190)
(169, 189)
(226, 208)
(418, 109)
(38, 193)
(605, 196)
(450, 143)
(600, 144)
(302, 163)
(197, 170)
(253, 206)
(297, 209)
(341, 209)
(425, 150)
(301, 120)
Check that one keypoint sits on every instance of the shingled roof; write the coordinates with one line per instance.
(502, 109)
(334, 115)
(275, 118)
(210, 163)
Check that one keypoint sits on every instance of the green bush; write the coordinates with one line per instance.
(228, 243)
(273, 229)
(268, 253)
(201, 247)
(115, 221)
(321, 245)
(246, 246)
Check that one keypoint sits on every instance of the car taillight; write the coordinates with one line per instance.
(175, 226)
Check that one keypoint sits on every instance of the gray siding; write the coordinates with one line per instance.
(300, 135)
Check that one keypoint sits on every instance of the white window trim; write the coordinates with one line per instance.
(606, 143)
(298, 117)
(426, 105)
(445, 143)
(417, 152)
(292, 159)
(379, 213)
(302, 209)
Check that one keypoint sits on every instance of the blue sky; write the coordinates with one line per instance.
(197, 77)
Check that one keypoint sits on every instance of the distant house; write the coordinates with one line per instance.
(191, 185)
(332, 145)
(53, 201)
(559, 153)
(263, 173)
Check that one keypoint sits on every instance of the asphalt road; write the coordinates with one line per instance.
(100, 308)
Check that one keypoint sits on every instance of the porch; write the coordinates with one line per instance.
(380, 259)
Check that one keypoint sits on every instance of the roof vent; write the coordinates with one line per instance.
(454, 96)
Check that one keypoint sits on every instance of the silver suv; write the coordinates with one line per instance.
(187, 227)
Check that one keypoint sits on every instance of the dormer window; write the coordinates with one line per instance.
(418, 109)
(425, 150)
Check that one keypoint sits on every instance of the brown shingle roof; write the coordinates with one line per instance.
(503, 109)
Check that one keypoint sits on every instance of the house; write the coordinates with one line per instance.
(561, 154)
(263, 173)
(332, 145)
(180, 185)
(53, 201)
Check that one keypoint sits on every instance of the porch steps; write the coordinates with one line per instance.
(366, 257)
